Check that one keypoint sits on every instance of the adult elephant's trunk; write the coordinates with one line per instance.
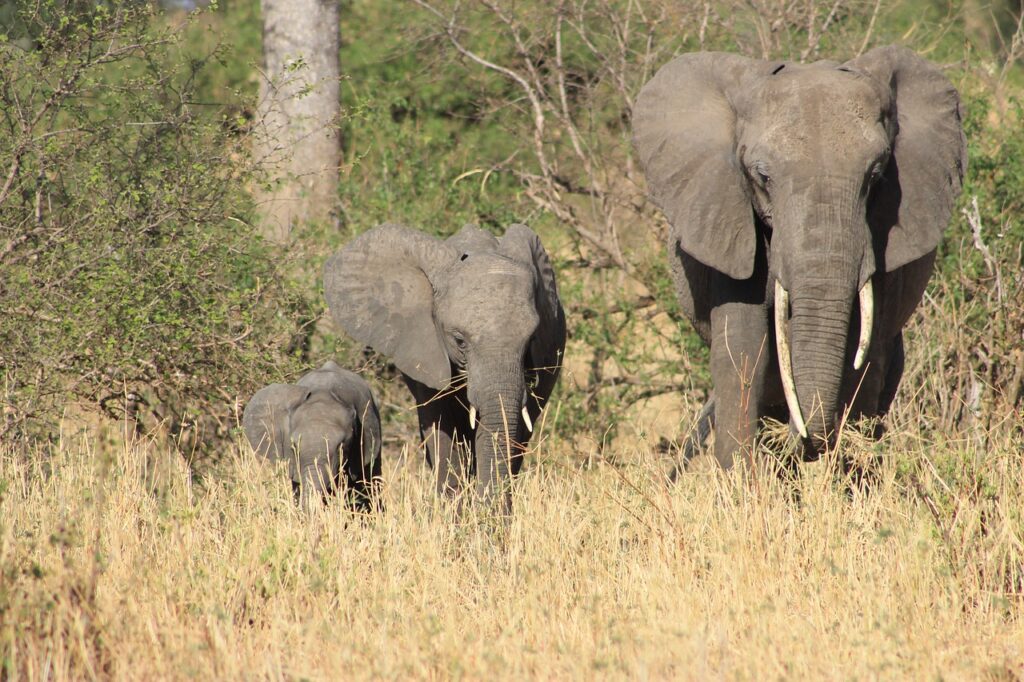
(817, 333)
(824, 253)
(497, 395)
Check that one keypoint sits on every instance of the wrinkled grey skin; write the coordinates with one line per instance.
(328, 429)
(470, 321)
(817, 176)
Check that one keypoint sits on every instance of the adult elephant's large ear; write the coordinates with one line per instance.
(378, 289)
(913, 201)
(684, 131)
(522, 244)
(266, 419)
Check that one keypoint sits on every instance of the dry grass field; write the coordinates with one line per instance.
(114, 565)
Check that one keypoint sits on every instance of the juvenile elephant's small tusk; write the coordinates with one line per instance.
(867, 317)
(472, 416)
(785, 360)
(526, 420)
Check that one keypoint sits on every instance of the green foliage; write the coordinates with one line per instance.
(132, 276)
(978, 290)
(418, 141)
(996, 162)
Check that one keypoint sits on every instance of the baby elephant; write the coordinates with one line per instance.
(328, 428)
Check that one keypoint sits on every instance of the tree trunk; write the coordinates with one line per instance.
(299, 109)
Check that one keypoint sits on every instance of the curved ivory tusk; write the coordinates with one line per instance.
(472, 416)
(867, 316)
(526, 420)
(785, 361)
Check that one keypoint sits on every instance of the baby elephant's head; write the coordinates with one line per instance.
(321, 430)
(324, 426)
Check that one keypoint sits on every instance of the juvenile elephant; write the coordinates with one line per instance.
(806, 203)
(476, 327)
(328, 428)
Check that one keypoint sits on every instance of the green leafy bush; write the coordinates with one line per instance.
(133, 279)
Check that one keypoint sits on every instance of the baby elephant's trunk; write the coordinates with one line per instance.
(315, 478)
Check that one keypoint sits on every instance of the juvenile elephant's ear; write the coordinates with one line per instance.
(522, 244)
(379, 291)
(267, 416)
(914, 199)
(684, 131)
(369, 435)
(368, 469)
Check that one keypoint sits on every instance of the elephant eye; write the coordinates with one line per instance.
(460, 341)
(760, 174)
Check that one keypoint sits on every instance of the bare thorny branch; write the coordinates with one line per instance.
(780, 25)
(973, 217)
(548, 88)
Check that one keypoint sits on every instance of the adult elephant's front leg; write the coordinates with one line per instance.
(740, 356)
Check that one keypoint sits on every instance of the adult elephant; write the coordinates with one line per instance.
(475, 325)
(806, 203)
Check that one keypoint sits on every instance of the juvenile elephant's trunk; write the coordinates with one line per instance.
(313, 488)
(499, 407)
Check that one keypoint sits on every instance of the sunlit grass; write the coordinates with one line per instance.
(113, 563)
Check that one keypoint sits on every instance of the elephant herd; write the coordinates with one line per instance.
(805, 204)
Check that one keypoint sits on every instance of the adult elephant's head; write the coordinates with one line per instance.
(473, 309)
(844, 170)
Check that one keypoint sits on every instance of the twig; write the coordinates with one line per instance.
(871, 28)
(531, 94)
(973, 216)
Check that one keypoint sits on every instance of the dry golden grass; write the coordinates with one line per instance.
(114, 565)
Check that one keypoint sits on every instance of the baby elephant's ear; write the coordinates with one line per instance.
(522, 244)
(267, 417)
